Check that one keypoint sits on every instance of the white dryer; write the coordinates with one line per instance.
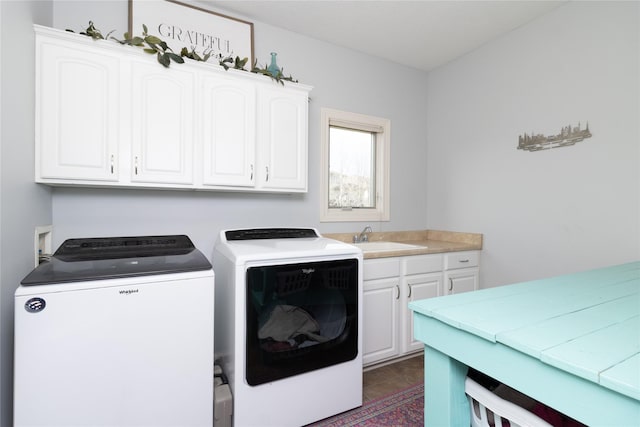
(116, 332)
(288, 324)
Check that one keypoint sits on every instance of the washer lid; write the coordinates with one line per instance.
(116, 257)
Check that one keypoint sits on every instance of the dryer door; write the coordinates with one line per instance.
(300, 317)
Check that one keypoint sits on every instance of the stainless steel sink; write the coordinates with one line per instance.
(386, 246)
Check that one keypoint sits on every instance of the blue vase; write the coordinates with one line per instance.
(273, 68)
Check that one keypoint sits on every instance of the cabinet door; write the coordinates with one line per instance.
(228, 132)
(380, 320)
(162, 109)
(461, 280)
(282, 139)
(417, 287)
(77, 122)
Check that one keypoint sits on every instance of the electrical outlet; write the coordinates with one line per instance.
(42, 243)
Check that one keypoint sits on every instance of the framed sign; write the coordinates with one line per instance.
(183, 25)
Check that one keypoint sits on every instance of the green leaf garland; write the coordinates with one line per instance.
(154, 45)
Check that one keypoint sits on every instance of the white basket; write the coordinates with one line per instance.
(483, 402)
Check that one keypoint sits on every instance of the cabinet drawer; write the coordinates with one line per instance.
(455, 260)
(419, 264)
(381, 268)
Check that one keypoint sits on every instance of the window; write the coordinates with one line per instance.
(355, 167)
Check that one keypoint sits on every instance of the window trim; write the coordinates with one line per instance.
(382, 128)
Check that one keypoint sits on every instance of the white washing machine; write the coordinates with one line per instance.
(288, 325)
(116, 332)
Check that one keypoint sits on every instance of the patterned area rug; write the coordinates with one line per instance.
(404, 408)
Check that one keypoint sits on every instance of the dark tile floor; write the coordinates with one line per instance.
(389, 378)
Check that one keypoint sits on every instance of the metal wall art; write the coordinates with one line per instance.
(568, 136)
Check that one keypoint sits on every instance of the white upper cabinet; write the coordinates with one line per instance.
(77, 118)
(109, 115)
(282, 137)
(162, 124)
(228, 132)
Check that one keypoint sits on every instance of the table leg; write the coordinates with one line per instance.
(445, 401)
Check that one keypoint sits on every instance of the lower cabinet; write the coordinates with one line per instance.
(421, 286)
(381, 309)
(461, 272)
(391, 283)
(459, 281)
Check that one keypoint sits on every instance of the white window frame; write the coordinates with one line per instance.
(382, 128)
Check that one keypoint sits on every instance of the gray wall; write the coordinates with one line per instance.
(542, 213)
(548, 212)
(23, 204)
(342, 79)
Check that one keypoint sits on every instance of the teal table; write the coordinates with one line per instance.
(571, 342)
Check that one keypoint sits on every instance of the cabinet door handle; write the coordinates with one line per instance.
(112, 161)
(267, 168)
(135, 166)
(409, 286)
(251, 173)
(398, 290)
(464, 260)
(450, 284)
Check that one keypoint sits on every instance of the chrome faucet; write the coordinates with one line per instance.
(363, 236)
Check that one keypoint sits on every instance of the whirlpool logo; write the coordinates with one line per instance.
(35, 305)
(128, 291)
